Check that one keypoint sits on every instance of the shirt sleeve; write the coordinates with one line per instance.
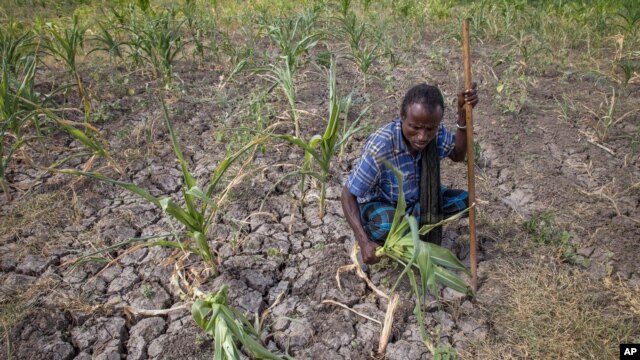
(446, 142)
(366, 174)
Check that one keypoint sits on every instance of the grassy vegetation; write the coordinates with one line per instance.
(267, 59)
(539, 311)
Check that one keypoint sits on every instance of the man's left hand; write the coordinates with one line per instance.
(468, 96)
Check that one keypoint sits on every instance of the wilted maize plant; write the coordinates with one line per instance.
(197, 218)
(404, 246)
(227, 326)
(322, 148)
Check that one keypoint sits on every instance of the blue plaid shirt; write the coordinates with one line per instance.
(371, 180)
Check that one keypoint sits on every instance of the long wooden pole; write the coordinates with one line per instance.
(471, 178)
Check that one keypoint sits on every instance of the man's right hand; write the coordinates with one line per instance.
(352, 214)
(368, 252)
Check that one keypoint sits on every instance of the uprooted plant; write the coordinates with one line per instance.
(403, 245)
(196, 218)
(430, 259)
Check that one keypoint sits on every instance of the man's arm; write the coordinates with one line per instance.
(352, 214)
(460, 149)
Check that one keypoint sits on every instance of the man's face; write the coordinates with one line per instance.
(420, 126)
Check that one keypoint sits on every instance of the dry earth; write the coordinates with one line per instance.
(531, 162)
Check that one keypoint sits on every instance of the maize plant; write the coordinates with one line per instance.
(16, 111)
(227, 326)
(195, 218)
(157, 40)
(294, 37)
(65, 46)
(322, 148)
(403, 245)
(15, 45)
(6, 154)
(107, 42)
(430, 259)
(361, 55)
(283, 77)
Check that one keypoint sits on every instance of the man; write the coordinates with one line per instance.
(370, 194)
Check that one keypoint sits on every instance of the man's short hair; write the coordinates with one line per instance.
(427, 95)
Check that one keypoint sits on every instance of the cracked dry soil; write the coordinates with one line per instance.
(531, 162)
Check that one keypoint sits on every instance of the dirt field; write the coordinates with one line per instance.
(558, 201)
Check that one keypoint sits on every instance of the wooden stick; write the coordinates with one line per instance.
(470, 159)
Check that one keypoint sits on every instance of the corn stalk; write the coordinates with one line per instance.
(322, 148)
(195, 218)
(404, 246)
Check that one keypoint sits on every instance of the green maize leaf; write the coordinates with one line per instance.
(199, 311)
(129, 186)
(198, 193)
(401, 207)
(448, 279)
(84, 139)
(313, 143)
(224, 165)
(407, 268)
(225, 347)
(119, 245)
(353, 127)
(300, 143)
(175, 245)
(179, 214)
(428, 227)
(403, 248)
(422, 260)
(215, 314)
(192, 210)
(203, 246)
(444, 257)
(227, 326)
(237, 69)
(68, 158)
(331, 131)
(189, 180)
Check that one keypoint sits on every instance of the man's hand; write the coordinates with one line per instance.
(368, 251)
(470, 96)
(352, 214)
